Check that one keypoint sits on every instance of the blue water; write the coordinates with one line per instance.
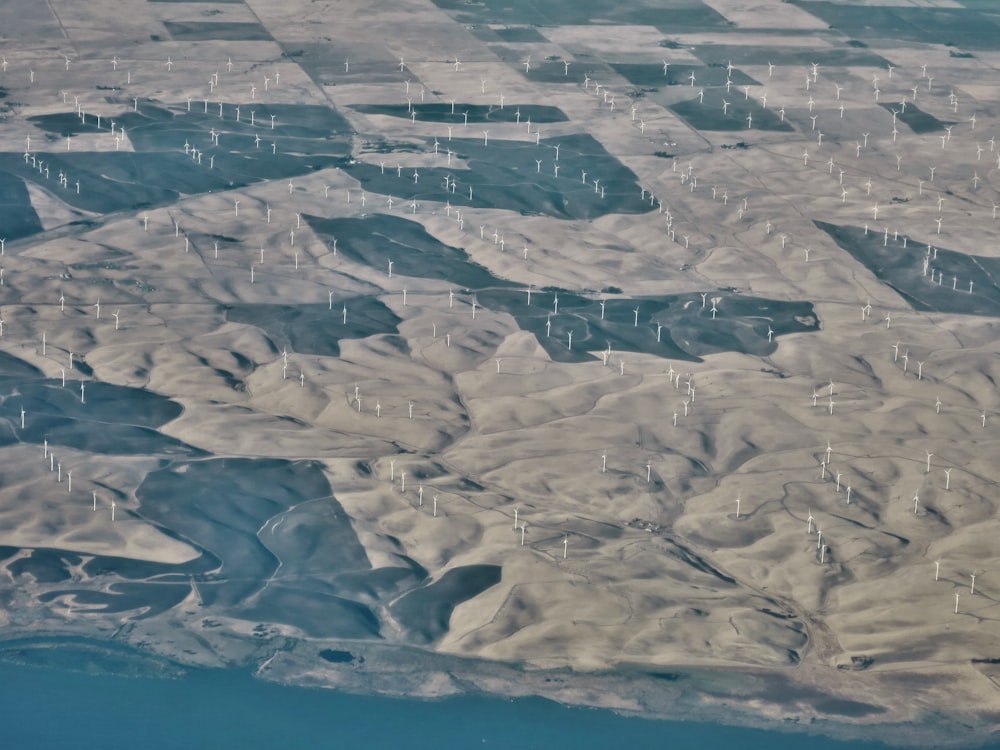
(50, 708)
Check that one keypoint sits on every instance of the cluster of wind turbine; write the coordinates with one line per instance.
(63, 475)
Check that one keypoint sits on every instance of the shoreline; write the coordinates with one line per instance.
(737, 697)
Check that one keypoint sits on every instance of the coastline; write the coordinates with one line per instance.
(771, 701)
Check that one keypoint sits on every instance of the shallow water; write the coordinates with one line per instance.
(48, 707)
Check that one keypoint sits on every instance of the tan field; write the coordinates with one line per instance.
(703, 425)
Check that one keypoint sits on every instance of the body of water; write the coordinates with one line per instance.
(54, 708)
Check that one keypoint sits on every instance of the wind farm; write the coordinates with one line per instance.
(634, 355)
